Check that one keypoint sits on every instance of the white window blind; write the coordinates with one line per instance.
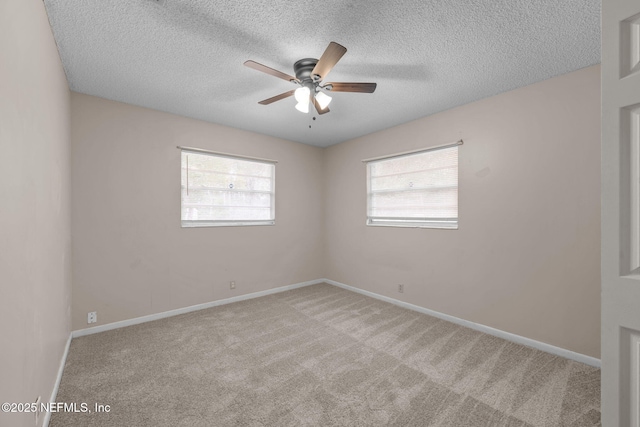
(219, 190)
(414, 190)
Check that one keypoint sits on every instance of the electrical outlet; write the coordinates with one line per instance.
(401, 288)
(92, 317)
(232, 284)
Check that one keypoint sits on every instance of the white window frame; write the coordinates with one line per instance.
(226, 222)
(440, 223)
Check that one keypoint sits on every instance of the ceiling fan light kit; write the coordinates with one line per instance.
(323, 99)
(302, 94)
(303, 107)
(309, 75)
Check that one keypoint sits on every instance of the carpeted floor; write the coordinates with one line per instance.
(319, 356)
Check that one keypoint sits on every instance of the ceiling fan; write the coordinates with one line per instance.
(309, 75)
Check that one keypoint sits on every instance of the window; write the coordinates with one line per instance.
(414, 190)
(225, 190)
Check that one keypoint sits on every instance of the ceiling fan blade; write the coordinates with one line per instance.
(271, 71)
(277, 97)
(352, 87)
(329, 58)
(318, 109)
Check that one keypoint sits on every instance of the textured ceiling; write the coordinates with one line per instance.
(185, 56)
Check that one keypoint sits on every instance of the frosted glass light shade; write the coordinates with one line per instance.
(323, 100)
(303, 107)
(302, 94)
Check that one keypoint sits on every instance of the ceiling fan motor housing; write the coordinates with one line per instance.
(303, 69)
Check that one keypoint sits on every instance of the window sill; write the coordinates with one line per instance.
(195, 224)
(427, 225)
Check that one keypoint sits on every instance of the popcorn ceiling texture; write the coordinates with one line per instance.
(185, 57)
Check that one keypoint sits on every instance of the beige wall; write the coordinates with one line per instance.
(526, 256)
(35, 240)
(132, 258)
(525, 259)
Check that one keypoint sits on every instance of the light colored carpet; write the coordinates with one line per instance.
(320, 356)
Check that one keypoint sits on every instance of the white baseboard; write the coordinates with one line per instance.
(558, 351)
(170, 313)
(54, 392)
